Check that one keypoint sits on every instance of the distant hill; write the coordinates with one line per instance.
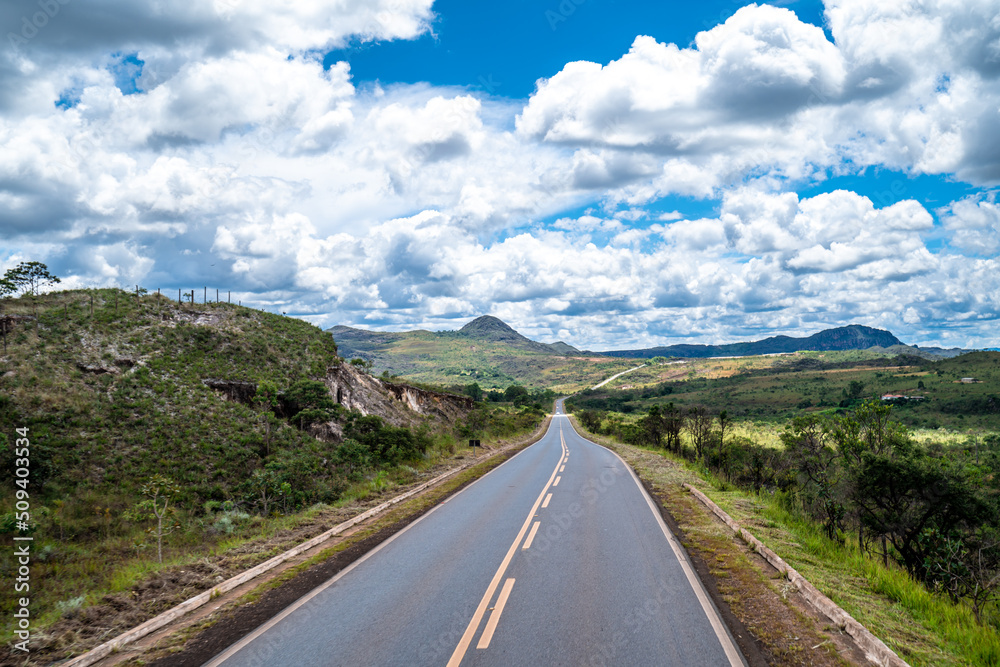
(489, 328)
(363, 343)
(930, 353)
(486, 351)
(852, 337)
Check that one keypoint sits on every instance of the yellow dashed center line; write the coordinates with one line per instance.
(491, 625)
(561, 469)
(531, 535)
(477, 616)
(545, 503)
(556, 483)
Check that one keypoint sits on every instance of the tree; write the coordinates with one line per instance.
(903, 498)
(265, 401)
(591, 419)
(160, 491)
(474, 391)
(869, 429)
(313, 401)
(815, 462)
(7, 287)
(29, 278)
(309, 394)
(699, 425)
(673, 423)
(515, 392)
(265, 487)
(475, 424)
(723, 424)
(653, 426)
(866, 433)
(352, 456)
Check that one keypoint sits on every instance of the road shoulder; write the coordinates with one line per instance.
(197, 637)
(770, 620)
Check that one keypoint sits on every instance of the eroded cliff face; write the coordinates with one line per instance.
(397, 404)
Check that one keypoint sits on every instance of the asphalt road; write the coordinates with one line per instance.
(557, 557)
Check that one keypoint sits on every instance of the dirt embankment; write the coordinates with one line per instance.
(398, 404)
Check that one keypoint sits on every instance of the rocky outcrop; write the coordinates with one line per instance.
(398, 404)
(234, 390)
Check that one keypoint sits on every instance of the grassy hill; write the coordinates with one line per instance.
(485, 351)
(113, 389)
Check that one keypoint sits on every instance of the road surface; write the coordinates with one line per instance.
(557, 557)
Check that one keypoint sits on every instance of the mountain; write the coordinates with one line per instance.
(851, 337)
(489, 328)
(486, 351)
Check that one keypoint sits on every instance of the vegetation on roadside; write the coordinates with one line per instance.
(135, 459)
(917, 522)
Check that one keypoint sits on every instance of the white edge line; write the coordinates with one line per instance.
(714, 618)
(240, 645)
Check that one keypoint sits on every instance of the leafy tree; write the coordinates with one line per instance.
(514, 392)
(265, 488)
(806, 444)
(904, 497)
(309, 394)
(313, 400)
(474, 391)
(653, 426)
(475, 424)
(352, 456)
(750, 463)
(7, 287)
(388, 445)
(591, 419)
(869, 429)
(29, 278)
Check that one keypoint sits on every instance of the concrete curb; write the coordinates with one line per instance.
(157, 622)
(874, 649)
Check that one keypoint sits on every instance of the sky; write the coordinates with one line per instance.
(610, 174)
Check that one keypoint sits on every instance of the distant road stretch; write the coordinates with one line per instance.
(557, 557)
(615, 377)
